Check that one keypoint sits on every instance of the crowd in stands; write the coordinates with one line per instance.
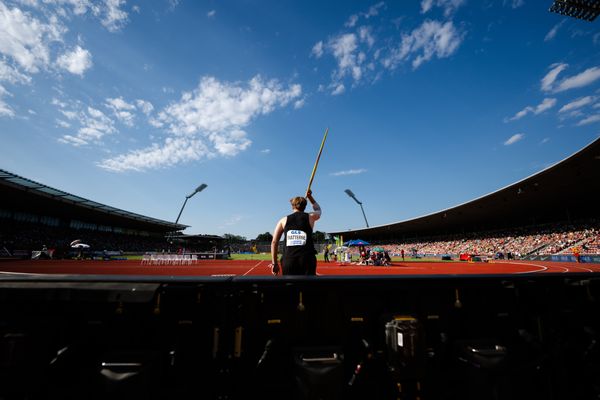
(515, 243)
(22, 237)
(536, 240)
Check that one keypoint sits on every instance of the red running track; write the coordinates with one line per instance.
(260, 268)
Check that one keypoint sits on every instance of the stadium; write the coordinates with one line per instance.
(495, 298)
(170, 325)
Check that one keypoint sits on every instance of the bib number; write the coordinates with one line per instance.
(296, 238)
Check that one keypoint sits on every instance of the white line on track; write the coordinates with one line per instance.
(583, 268)
(251, 269)
(543, 268)
(23, 273)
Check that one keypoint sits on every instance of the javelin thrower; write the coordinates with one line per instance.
(298, 248)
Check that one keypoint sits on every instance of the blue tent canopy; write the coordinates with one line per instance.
(357, 242)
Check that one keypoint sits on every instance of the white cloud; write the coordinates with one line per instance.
(426, 5)
(545, 140)
(211, 13)
(520, 114)
(122, 110)
(173, 4)
(12, 75)
(25, 39)
(372, 12)
(449, 6)
(230, 143)
(546, 104)
(72, 140)
(365, 35)
(145, 106)
(266, 151)
(93, 126)
(360, 56)
(113, 18)
(349, 172)
(552, 33)
(220, 106)
(5, 109)
(63, 124)
(32, 35)
(351, 59)
(585, 78)
(71, 115)
(548, 80)
(207, 122)
(317, 49)
(343, 48)
(430, 39)
(76, 61)
(174, 151)
(299, 104)
(514, 3)
(352, 20)
(514, 139)
(589, 120)
(338, 89)
(576, 104)
(126, 112)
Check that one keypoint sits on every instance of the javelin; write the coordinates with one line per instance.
(312, 175)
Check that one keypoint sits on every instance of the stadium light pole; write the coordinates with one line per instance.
(349, 193)
(198, 190)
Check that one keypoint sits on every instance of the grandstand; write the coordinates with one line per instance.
(34, 215)
(561, 198)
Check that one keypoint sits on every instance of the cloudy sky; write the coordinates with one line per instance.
(428, 103)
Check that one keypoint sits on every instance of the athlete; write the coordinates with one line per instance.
(299, 255)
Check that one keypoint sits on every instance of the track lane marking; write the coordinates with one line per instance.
(543, 268)
(583, 268)
(251, 269)
(26, 273)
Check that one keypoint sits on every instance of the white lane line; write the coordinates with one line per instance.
(583, 268)
(260, 262)
(23, 273)
(542, 268)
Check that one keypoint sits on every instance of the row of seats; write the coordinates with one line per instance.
(169, 259)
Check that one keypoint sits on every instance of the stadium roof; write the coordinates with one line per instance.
(22, 194)
(567, 191)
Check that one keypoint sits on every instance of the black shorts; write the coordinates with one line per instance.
(300, 265)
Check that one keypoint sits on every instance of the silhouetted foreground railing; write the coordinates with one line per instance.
(475, 337)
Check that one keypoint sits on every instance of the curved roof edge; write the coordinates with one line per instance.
(554, 169)
(36, 188)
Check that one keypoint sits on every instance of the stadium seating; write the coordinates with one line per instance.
(534, 240)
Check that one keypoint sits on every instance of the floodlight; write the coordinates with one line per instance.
(586, 10)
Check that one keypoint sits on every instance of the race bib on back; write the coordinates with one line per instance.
(296, 238)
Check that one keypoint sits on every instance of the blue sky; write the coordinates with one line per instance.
(429, 103)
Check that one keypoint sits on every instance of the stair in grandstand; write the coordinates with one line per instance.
(567, 250)
(538, 250)
(4, 252)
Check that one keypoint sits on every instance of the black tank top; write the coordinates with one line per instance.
(298, 240)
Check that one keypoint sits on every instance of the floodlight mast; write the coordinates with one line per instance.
(350, 194)
(197, 190)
